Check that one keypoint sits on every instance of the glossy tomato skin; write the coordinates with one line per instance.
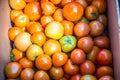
(82, 2)
(73, 11)
(104, 70)
(104, 57)
(13, 69)
(70, 68)
(77, 56)
(88, 77)
(87, 67)
(103, 19)
(76, 77)
(106, 78)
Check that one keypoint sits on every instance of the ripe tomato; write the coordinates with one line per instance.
(77, 56)
(76, 77)
(12, 70)
(51, 46)
(14, 14)
(29, 0)
(88, 77)
(59, 59)
(17, 4)
(96, 28)
(38, 38)
(22, 20)
(16, 54)
(68, 27)
(81, 29)
(70, 68)
(91, 13)
(54, 30)
(43, 62)
(85, 43)
(87, 67)
(64, 2)
(100, 4)
(55, 1)
(103, 19)
(104, 57)
(22, 41)
(34, 51)
(82, 2)
(33, 10)
(106, 78)
(41, 75)
(104, 70)
(13, 32)
(48, 8)
(27, 74)
(45, 20)
(92, 55)
(73, 11)
(102, 42)
(26, 63)
(56, 72)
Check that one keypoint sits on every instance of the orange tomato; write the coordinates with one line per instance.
(43, 62)
(73, 11)
(33, 10)
(58, 15)
(14, 14)
(59, 59)
(29, 0)
(38, 38)
(45, 20)
(42, 1)
(22, 20)
(16, 54)
(35, 27)
(30, 23)
(13, 32)
(64, 2)
(68, 27)
(48, 8)
(51, 46)
(55, 1)
(17, 4)
(26, 63)
(82, 2)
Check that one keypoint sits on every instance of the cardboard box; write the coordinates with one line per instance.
(114, 34)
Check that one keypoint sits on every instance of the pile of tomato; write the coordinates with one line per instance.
(59, 40)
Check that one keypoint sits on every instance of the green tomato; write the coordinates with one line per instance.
(88, 77)
(68, 43)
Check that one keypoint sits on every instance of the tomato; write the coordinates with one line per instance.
(85, 43)
(83, 19)
(34, 51)
(27, 74)
(91, 13)
(59, 59)
(38, 38)
(33, 10)
(43, 62)
(17, 4)
(104, 57)
(92, 55)
(55, 1)
(73, 11)
(22, 20)
(64, 2)
(54, 30)
(26, 63)
(29, 0)
(82, 2)
(77, 56)
(42, 1)
(41, 75)
(56, 72)
(48, 8)
(68, 27)
(87, 67)
(103, 19)
(102, 42)
(70, 68)
(106, 78)
(100, 4)
(45, 20)
(51, 46)
(22, 41)
(88, 77)
(76, 77)
(89, 1)
(104, 70)
(68, 43)
(13, 69)
(96, 28)
(81, 29)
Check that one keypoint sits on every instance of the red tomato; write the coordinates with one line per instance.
(76, 77)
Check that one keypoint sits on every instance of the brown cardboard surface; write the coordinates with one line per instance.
(5, 24)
